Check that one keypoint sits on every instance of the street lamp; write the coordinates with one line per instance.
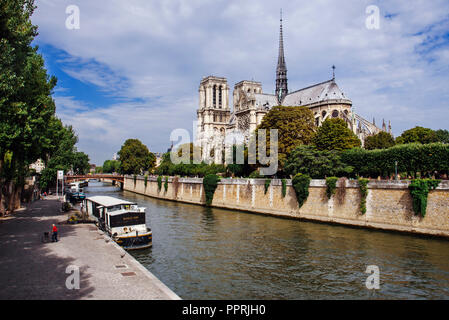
(396, 170)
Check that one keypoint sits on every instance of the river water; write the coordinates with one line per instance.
(210, 253)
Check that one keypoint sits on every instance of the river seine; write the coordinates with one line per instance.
(209, 253)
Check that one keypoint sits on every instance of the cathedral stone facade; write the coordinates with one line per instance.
(217, 125)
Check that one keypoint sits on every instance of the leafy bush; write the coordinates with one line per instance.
(146, 181)
(210, 183)
(284, 188)
(419, 190)
(267, 184)
(255, 174)
(159, 183)
(331, 186)
(301, 184)
(363, 186)
(166, 184)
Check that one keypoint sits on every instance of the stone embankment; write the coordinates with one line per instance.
(389, 203)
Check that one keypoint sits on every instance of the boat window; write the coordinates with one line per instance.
(114, 208)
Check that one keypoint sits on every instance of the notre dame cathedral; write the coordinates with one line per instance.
(217, 123)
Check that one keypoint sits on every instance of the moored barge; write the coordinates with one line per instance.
(122, 220)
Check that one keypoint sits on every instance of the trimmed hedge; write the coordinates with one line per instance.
(412, 159)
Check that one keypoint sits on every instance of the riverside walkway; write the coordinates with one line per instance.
(30, 269)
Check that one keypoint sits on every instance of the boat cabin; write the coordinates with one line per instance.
(117, 217)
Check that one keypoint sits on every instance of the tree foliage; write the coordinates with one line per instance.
(111, 166)
(334, 134)
(381, 140)
(442, 136)
(417, 135)
(63, 154)
(295, 125)
(135, 157)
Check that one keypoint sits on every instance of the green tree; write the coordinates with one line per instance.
(111, 166)
(295, 125)
(26, 106)
(334, 134)
(418, 135)
(442, 135)
(80, 163)
(381, 140)
(135, 157)
(62, 154)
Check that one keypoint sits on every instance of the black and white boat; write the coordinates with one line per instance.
(122, 220)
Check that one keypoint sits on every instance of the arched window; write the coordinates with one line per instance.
(335, 114)
(220, 97)
(323, 114)
(214, 95)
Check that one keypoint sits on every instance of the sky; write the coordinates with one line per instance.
(133, 68)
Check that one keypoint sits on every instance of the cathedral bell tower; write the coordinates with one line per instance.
(281, 70)
(213, 113)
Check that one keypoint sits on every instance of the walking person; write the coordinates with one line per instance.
(54, 235)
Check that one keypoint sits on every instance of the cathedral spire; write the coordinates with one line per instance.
(281, 70)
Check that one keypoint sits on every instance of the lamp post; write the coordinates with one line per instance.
(396, 170)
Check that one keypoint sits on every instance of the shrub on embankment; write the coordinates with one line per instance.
(210, 183)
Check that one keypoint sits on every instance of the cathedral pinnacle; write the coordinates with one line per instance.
(281, 70)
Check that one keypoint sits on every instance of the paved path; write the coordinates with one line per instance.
(30, 269)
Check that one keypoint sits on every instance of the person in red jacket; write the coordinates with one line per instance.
(54, 235)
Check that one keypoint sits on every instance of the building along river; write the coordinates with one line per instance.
(210, 253)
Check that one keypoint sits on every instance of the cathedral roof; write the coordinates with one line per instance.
(323, 91)
(265, 101)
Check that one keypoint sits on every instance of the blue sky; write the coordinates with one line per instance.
(133, 68)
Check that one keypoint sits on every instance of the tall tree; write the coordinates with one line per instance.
(135, 157)
(381, 140)
(62, 154)
(295, 125)
(334, 134)
(26, 106)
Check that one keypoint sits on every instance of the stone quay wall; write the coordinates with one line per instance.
(388, 204)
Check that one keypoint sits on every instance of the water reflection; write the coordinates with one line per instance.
(210, 253)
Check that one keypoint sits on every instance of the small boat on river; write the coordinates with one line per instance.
(122, 220)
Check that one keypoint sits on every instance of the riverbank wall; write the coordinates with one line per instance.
(388, 204)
